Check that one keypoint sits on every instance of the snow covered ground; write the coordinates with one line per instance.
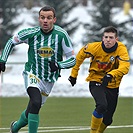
(12, 84)
(13, 81)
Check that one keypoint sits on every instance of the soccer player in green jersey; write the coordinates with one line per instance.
(47, 45)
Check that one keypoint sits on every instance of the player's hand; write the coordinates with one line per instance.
(106, 79)
(2, 66)
(53, 66)
(72, 80)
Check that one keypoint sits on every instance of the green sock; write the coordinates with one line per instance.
(23, 121)
(33, 122)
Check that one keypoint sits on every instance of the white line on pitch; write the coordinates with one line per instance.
(69, 128)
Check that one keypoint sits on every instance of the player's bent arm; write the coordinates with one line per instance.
(69, 62)
(124, 65)
(122, 69)
(9, 47)
(7, 50)
(81, 56)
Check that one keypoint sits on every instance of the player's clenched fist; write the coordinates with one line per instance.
(72, 80)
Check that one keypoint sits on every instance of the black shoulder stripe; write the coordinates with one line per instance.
(122, 59)
(88, 53)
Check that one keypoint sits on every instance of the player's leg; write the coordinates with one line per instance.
(16, 125)
(101, 128)
(35, 105)
(31, 115)
(95, 121)
(98, 93)
(112, 98)
(37, 100)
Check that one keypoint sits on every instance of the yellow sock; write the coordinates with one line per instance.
(95, 123)
(101, 128)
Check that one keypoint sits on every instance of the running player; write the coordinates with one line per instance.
(109, 62)
(47, 43)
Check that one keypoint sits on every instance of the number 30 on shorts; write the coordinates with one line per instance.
(33, 81)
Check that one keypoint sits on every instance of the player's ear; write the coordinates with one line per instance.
(55, 19)
(102, 38)
(116, 38)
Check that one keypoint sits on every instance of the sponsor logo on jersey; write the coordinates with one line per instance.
(103, 65)
(45, 52)
(106, 65)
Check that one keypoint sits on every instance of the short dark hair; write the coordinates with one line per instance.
(111, 29)
(47, 8)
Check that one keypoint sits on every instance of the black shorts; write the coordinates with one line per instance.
(105, 99)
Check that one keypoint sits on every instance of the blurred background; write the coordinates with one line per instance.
(84, 21)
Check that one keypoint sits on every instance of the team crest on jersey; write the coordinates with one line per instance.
(45, 52)
(112, 58)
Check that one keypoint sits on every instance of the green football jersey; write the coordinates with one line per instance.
(43, 47)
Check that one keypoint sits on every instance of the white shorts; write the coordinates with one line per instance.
(31, 80)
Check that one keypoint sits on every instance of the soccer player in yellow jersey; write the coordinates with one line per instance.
(109, 63)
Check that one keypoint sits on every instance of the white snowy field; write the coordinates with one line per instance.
(13, 81)
(13, 85)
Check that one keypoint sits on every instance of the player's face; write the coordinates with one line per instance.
(46, 20)
(109, 39)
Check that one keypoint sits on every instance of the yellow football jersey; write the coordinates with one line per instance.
(115, 63)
